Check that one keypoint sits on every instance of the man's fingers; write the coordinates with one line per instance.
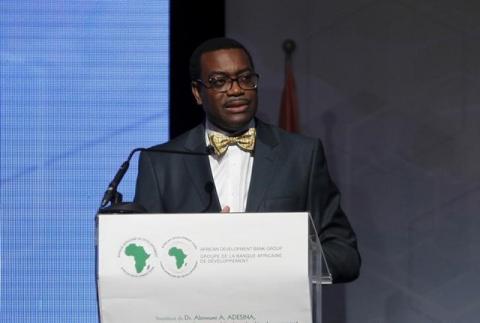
(226, 209)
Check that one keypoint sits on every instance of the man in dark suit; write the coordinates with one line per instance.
(254, 167)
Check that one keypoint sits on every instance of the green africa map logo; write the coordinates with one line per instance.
(137, 257)
(179, 257)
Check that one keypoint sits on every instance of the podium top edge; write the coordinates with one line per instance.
(216, 213)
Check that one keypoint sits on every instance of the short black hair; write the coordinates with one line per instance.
(212, 45)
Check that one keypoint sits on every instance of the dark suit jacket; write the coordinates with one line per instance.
(289, 175)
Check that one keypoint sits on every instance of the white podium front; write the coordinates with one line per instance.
(236, 267)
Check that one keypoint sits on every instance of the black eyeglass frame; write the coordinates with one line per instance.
(231, 80)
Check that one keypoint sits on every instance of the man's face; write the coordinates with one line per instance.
(232, 110)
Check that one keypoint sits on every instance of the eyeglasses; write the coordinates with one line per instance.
(223, 83)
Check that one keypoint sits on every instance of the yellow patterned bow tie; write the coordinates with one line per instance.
(220, 142)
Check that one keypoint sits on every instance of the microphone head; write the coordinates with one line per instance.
(209, 186)
(210, 150)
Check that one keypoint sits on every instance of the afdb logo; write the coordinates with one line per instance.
(179, 257)
(137, 257)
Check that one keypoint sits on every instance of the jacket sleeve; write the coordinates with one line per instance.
(336, 235)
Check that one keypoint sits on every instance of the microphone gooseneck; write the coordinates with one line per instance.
(111, 192)
(113, 197)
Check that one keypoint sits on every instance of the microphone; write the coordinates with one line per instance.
(111, 191)
(210, 150)
(112, 196)
(209, 187)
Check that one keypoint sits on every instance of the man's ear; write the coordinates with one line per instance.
(196, 93)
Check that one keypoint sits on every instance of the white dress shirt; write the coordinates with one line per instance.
(231, 173)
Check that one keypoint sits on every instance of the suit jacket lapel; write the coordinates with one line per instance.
(199, 168)
(263, 166)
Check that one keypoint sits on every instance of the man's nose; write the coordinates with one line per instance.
(235, 89)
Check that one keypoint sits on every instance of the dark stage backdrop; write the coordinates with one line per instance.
(192, 22)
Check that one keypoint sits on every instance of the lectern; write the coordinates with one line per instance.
(235, 267)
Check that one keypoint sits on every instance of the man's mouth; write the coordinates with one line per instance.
(237, 105)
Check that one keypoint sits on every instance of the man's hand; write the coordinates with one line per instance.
(226, 209)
